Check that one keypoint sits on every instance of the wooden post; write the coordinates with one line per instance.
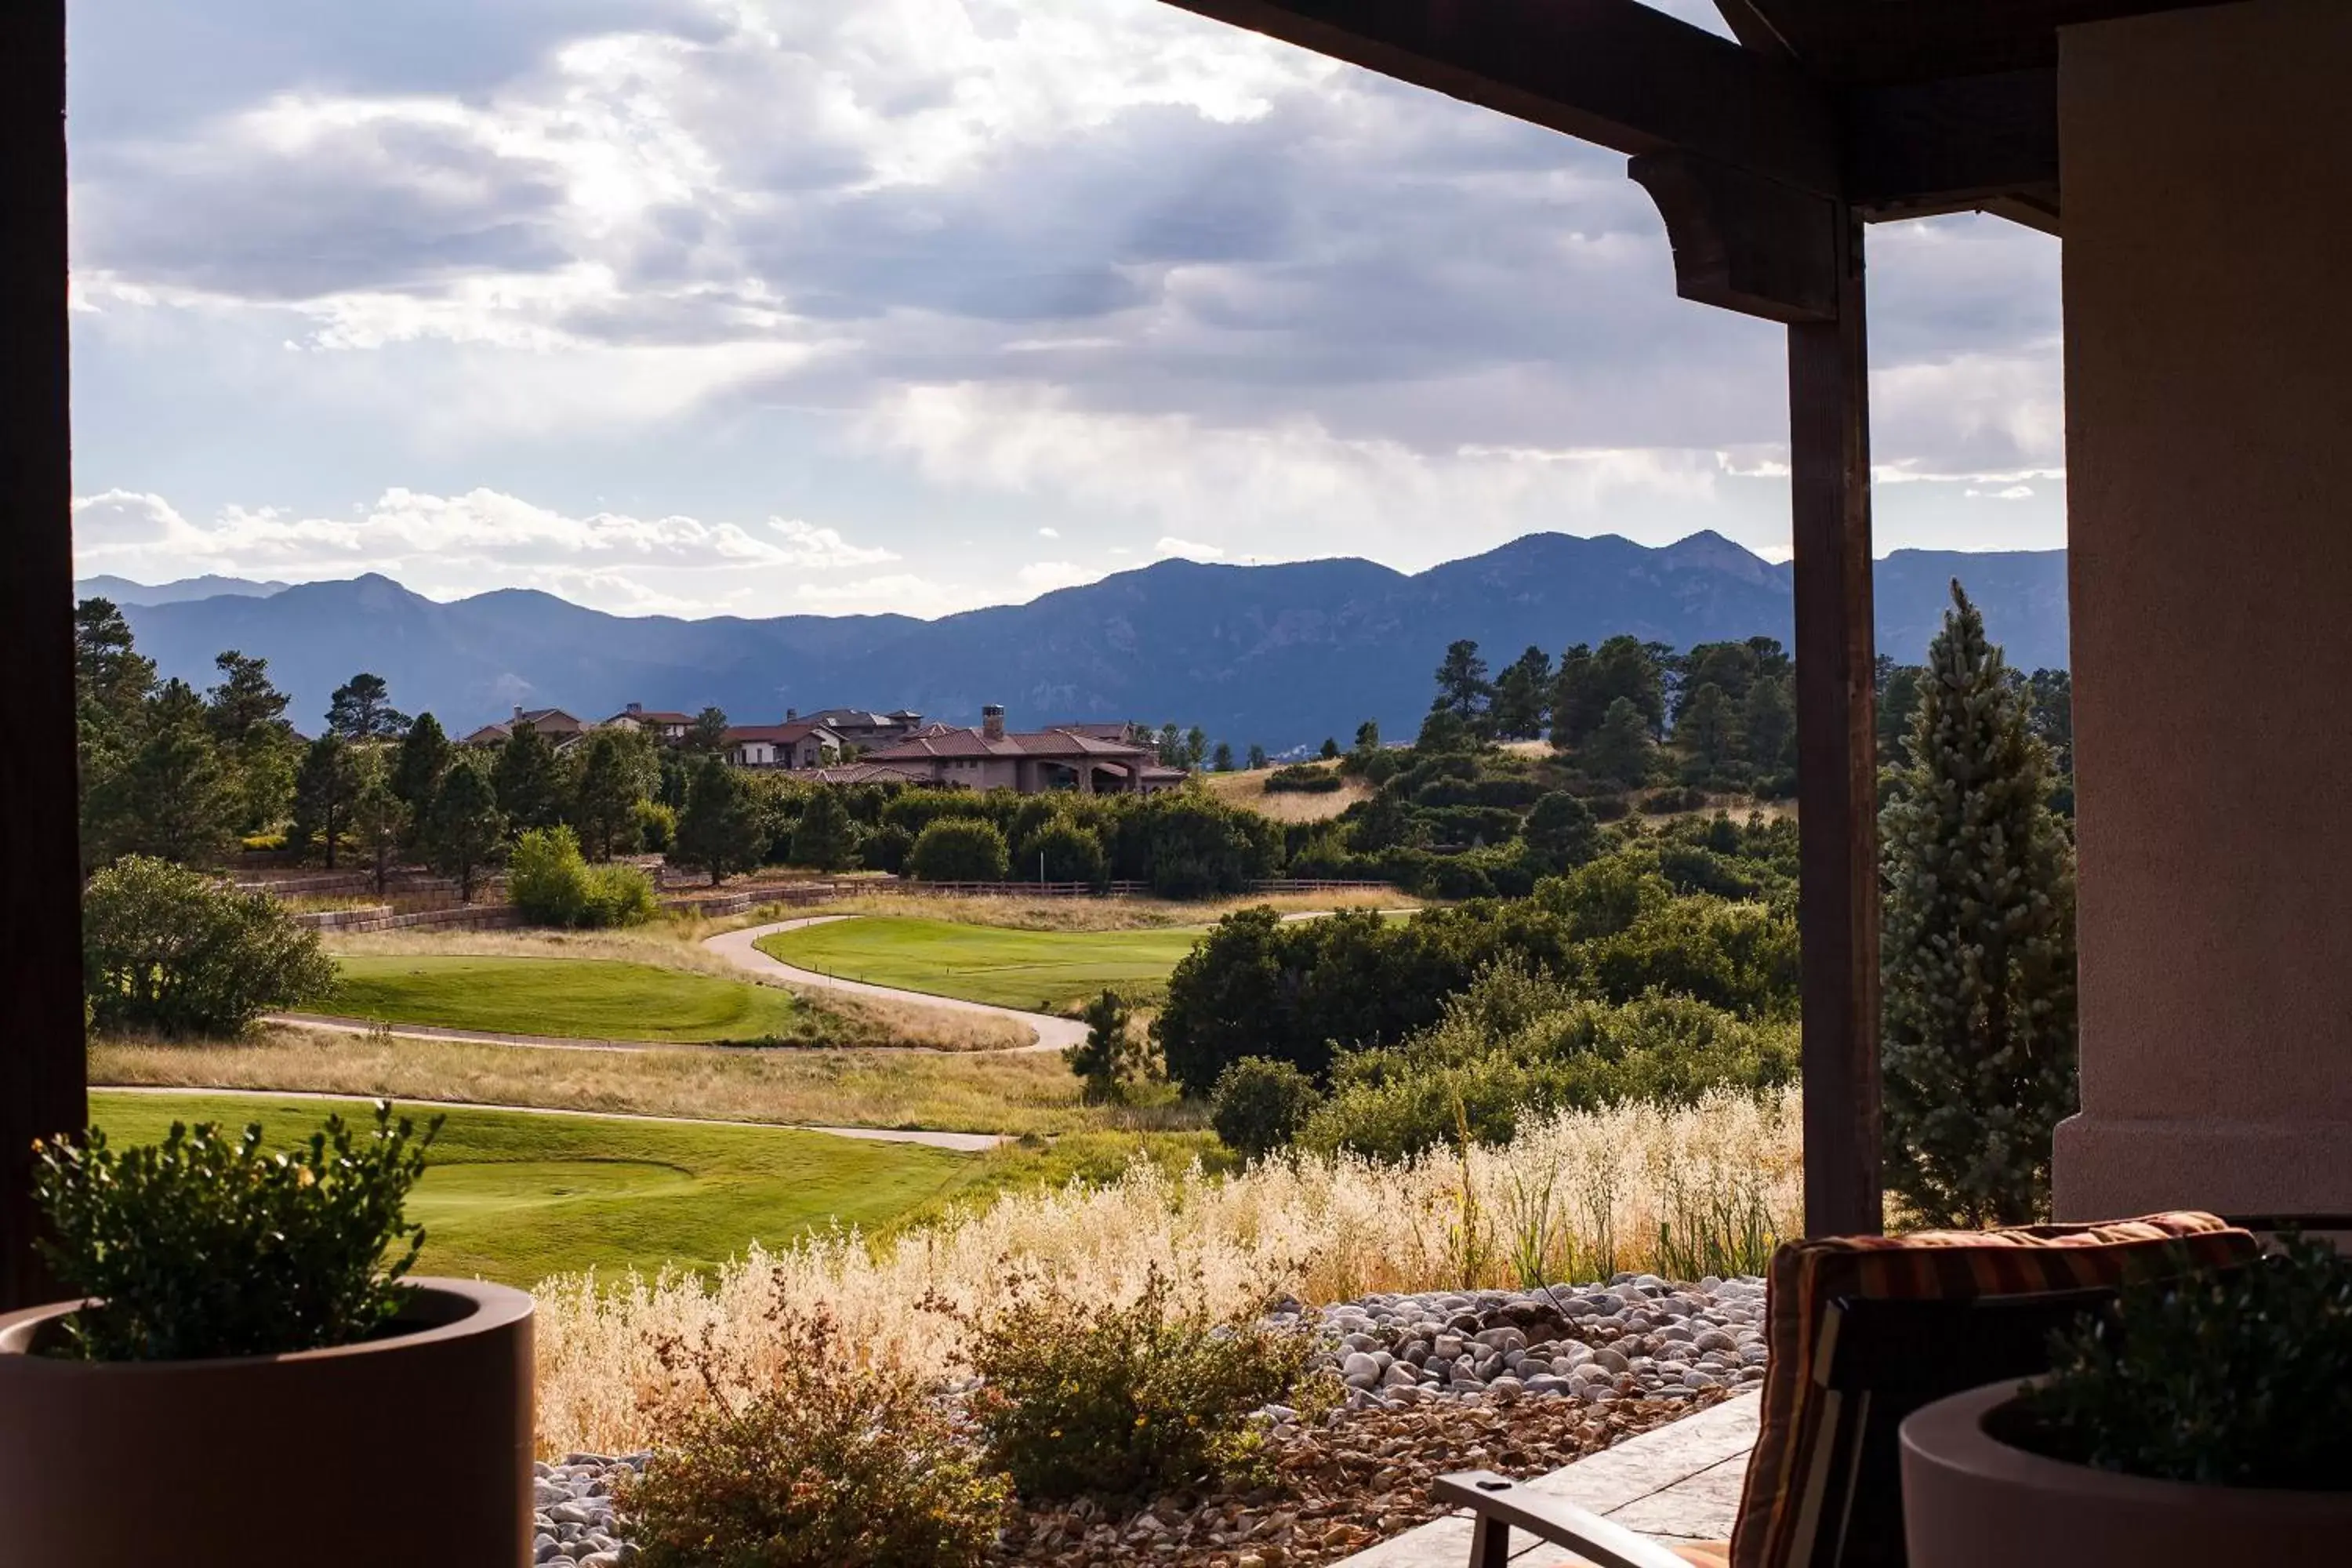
(42, 1088)
(1837, 900)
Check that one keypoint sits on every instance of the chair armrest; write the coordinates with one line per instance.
(1505, 1502)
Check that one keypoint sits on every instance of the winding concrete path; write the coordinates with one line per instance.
(740, 949)
(957, 1142)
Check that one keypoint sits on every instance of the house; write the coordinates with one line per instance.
(663, 725)
(858, 727)
(560, 728)
(1032, 763)
(797, 745)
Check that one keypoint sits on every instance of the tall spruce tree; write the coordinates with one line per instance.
(323, 792)
(464, 829)
(359, 710)
(1978, 1053)
(825, 837)
(529, 780)
(720, 831)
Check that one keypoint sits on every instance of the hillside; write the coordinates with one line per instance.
(1280, 655)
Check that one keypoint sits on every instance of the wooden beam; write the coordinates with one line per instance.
(1951, 144)
(1614, 72)
(1745, 244)
(1837, 762)
(41, 1068)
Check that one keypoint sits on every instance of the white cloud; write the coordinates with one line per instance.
(1044, 576)
(807, 545)
(1049, 533)
(1170, 545)
(897, 594)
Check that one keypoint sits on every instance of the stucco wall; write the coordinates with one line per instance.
(2207, 176)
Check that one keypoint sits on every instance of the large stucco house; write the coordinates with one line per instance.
(797, 745)
(1032, 761)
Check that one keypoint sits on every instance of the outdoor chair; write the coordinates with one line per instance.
(1861, 1333)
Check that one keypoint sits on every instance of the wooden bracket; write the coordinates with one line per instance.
(1744, 243)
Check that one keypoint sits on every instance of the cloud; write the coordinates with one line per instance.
(902, 594)
(1044, 576)
(1169, 545)
(1049, 533)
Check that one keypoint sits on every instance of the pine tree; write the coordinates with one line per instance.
(707, 733)
(720, 831)
(616, 772)
(1977, 1056)
(172, 796)
(1224, 761)
(247, 714)
(110, 676)
(464, 829)
(358, 711)
(323, 790)
(826, 838)
(1704, 731)
(1257, 754)
(416, 772)
(1196, 746)
(528, 785)
(1768, 724)
(1523, 696)
(1619, 752)
(379, 819)
(1462, 686)
(1111, 1058)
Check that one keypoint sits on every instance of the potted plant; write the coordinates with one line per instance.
(249, 1377)
(2206, 1415)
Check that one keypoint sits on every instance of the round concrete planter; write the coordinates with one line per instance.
(413, 1448)
(1971, 1501)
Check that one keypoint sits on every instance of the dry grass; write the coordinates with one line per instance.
(1248, 791)
(859, 1023)
(1066, 914)
(1016, 1093)
(1636, 1187)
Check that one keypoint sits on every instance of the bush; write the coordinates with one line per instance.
(168, 949)
(1200, 848)
(620, 896)
(263, 843)
(656, 826)
(201, 1247)
(2238, 1378)
(550, 882)
(1082, 1398)
(822, 1463)
(1454, 877)
(1259, 1105)
(958, 849)
(1303, 778)
(884, 848)
(1665, 802)
(1062, 851)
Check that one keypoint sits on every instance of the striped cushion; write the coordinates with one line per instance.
(1806, 1276)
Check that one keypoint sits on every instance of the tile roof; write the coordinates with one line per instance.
(969, 742)
(779, 734)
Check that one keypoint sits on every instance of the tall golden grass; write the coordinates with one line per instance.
(1704, 1189)
(1073, 914)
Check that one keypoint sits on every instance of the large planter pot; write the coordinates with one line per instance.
(412, 1448)
(1972, 1500)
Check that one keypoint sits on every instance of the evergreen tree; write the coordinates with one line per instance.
(245, 702)
(247, 714)
(1768, 724)
(616, 772)
(1898, 711)
(1627, 667)
(1561, 833)
(1523, 696)
(1462, 686)
(1196, 746)
(720, 831)
(416, 773)
(1978, 947)
(1257, 754)
(1224, 760)
(1368, 737)
(1111, 1058)
(1704, 731)
(2053, 716)
(323, 790)
(1172, 747)
(707, 733)
(825, 837)
(463, 828)
(379, 818)
(529, 780)
(1576, 708)
(172, 796)
(111, 676)
(359, 710)
(1619, 752)
(1330, 748)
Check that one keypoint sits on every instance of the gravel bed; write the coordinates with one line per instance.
(573, 1504)
(1636, 1337)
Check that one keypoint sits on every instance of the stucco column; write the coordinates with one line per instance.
(2207, 173)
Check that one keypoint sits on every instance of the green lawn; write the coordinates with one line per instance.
(587, 998)
(516, 1197)
(1042, 970)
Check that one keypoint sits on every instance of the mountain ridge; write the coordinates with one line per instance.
(1278, 655)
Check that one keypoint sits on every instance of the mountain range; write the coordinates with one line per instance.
(1278, 655)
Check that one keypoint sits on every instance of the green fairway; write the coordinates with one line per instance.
(585, 998)
(516, 1197)
(1042, 970)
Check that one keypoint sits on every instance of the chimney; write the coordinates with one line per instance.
(636, 707)
(517, 718)
(790, 714)
(991, 721)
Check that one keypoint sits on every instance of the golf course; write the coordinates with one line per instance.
(1044, 971)
(585, 998)
(517, 1195)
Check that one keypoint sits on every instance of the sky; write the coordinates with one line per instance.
(704, 307)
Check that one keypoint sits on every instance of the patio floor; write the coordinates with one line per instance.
(1676, 1483)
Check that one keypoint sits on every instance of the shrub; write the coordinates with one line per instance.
(827, 1460)
(1062, 851)
(1110, 1057)
(1302, 778)
(884, 848)
(1199, 847)
(263, 843)
(168, 949)
(2238, 1378)
(656, 826)
(201, 1247)
(1453, 876)
(620, 896)
(552, 884)
(958, 849)
(1665, 802)
(1259, 1105)
(1081, 1397)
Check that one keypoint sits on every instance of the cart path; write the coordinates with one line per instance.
(740, 949)
(956, 1142)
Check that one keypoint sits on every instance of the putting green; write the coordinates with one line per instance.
(582, 998)
(517, 1196)
(1047, 970)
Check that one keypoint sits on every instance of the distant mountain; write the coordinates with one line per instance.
(1278, 655)
(123, 591)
